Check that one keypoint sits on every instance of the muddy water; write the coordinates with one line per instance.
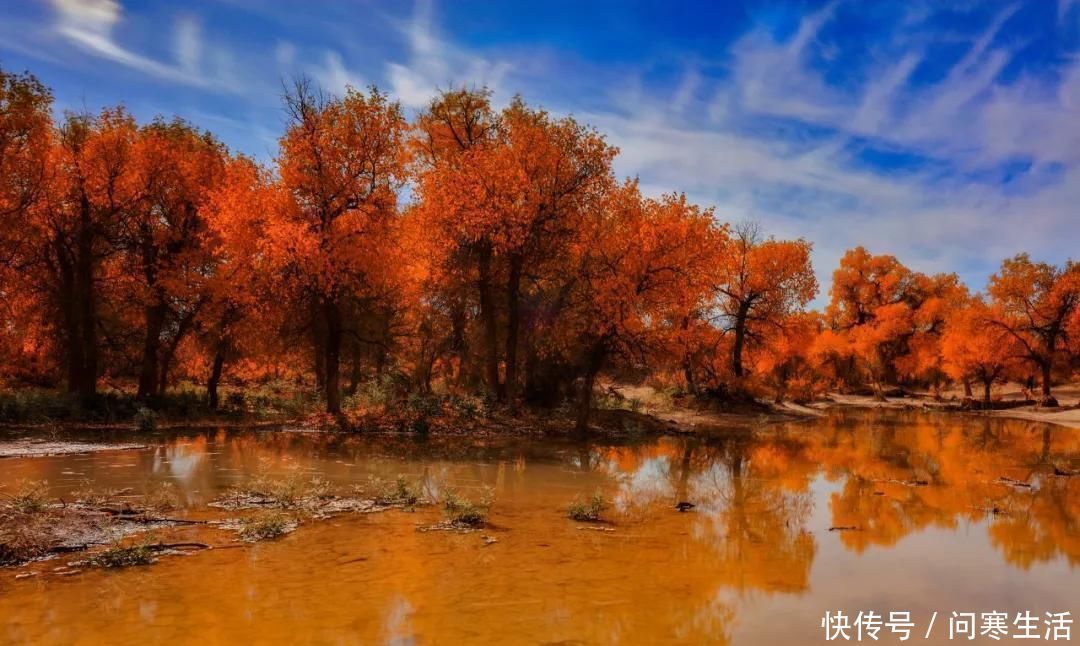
(760, 558)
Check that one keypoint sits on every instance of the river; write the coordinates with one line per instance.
(880, 511)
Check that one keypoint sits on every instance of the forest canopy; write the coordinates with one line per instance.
(468, 249)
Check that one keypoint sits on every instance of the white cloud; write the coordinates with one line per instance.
(704, 134)
(187, 45)
(434, 63)
(335, 77)
(89, 25)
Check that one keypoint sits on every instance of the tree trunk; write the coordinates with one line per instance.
(70, 311)
(215, 376)
(458, 346)
(318, 333)
(332, 315)
(154, 316)
(487, 314)
(513, 325)
(1046, 367)
(986, 391)
(688, 363)
(740, 340)
(354, 371)
(84, 275)
(967, 390)
(584, 407)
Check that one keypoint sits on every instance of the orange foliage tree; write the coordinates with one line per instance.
(643, 263)
(506, 194)
(974, 348)
(341, 163)
(163, 237)
(1034, 301)
(888, 315)
(760, 284)
(26, 137)
(520, 268)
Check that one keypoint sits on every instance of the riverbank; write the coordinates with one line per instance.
(1066, 415)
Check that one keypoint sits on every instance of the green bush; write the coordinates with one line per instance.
(31, 497)
(123, 556)
(462, 511)
(587, 511)
(399, 492)
(264, 527)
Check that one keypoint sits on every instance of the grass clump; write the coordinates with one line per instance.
(162, 497)
(462, 511)
(399, 492)
(92, 496)
(263, 528)
(23, 537)
(31, 497)
(587, 511)
(293, 490)
(119, 556)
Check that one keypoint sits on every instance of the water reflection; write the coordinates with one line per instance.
(909, 511)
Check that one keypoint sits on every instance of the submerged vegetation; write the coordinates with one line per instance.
(398, 492)
(463, 512)
(119, 556)
(266, 527)
(34, 525)
(587, 511)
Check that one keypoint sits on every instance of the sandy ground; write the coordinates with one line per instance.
(653, 403)
(31, 448)
(1067, 414)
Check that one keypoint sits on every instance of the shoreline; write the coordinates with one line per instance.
(1064, 416)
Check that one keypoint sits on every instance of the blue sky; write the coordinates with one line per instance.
(946, 133)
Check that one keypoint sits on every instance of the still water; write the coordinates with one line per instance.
(929, 527)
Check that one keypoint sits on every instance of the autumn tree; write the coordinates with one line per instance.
(26, 138)
(642, 264)
(91, 189)
(163, 237)
(237, 290)
(458, 128)
(760, 284)
(1035, 301)
(885, 312)
(508, 193)
(341, 162)
(975, 348)
(785, 362)
(935, 298)
(26, 135)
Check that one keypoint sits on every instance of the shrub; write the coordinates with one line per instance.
(462, 511)
(264, 527)
(587, 511)
(31, 497)
(398, 492)
(24, 537)
(123, 556)
(289, 491)
(162, 497)
(235, 401)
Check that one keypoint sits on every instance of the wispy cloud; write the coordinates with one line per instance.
(332, 74)
(434, 63)
(90, 25)
(943, 215)
(953, 168)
